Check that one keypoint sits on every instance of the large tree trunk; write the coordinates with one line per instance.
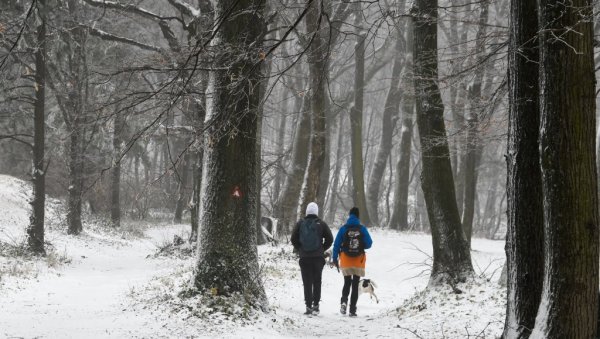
(451, 256)
(569, 305)
(318, 70)
(388, 124)
(356, 117)
(35, 230)
(525, 218)
(227, 255)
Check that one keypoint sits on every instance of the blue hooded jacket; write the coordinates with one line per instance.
(352, 221)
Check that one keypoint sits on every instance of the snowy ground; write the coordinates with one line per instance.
(109, 286)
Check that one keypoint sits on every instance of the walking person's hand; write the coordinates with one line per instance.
(334, 263)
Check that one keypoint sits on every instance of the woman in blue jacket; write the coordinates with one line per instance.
(350, 243)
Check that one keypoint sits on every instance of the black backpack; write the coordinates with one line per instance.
(353, 243)
(309, 235)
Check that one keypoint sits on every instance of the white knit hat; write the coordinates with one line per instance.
(312, 208)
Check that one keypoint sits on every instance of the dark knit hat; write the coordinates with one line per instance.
(354, 210)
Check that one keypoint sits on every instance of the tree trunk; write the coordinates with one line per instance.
(318, 70)
(263, 86)
(75, 178)
(336, 174)
(569, 305)
(474, 148)
(451, 256)
(388, 124)
(227, 256)
(183, 188)
(115, 210)
(279, 172)
(525, 218)
(287, 204)
(197, 160)
(35, 230)
(399, 218)
(356, 117)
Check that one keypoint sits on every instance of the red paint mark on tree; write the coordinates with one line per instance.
(236, 192)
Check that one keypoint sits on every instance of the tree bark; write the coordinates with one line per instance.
(227, 256)
(569, 304)
(451, 256)
(525, 218)
(35, 230)
(198, 157)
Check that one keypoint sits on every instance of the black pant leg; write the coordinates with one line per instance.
(306, 270)
(354, 295)
(318, 265)
(346, 288)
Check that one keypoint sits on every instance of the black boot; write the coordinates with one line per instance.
(343, 307)
(352, 311)
(315, 309)
(309, 310)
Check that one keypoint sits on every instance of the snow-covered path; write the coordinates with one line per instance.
(398, 263)
(85, 299)
(89, 297)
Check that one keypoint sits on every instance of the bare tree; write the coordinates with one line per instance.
(318, 73)
(227, 259)
(524, 236)
(399, 217)
(474, 148)
(35, 231)
(356, 122)
(569, 303)
(451, 256)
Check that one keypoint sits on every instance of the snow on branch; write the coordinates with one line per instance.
(111, 37)
(128, 8)
(185, 8)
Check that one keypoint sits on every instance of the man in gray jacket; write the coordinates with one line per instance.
(311, 237)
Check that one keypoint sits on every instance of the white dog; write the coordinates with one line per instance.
(367, 286)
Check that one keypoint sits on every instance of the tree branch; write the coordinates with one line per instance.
(15, 137)
(129, 8)
(185, 8)
(111, 37)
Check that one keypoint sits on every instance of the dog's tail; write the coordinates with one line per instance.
(373, 283)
